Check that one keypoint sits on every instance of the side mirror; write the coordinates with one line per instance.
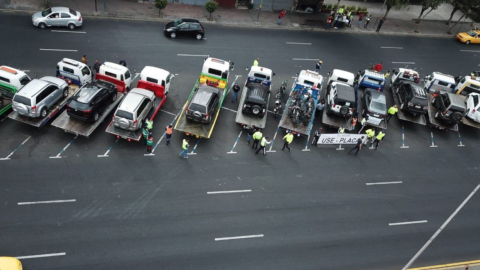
(273, 74)
(247, 69)
(296, 74)
(328, 74)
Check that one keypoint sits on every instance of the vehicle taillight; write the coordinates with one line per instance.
(80, 19)
(207, 115)
(87, 111)
(135, 123)
(244, 106)
(334, 105)
(203, 30)
(473, 111)
(34, 108)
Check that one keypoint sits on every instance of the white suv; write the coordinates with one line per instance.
(134, 109)
(473, 106)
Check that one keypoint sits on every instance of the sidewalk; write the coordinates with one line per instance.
(398, 23)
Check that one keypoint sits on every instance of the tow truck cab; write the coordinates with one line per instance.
(11, 81)
(118, 72)
(213, 70)
(74, 72)
(405, 75)
(260, 75)
(342, 77)
(156, 76)
(467, 85)
(439, 81)
(311, 79)
(370, 79)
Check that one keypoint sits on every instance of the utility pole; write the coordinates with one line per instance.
(105, 6)
(259, 10)
(96, 6)
(384, 3)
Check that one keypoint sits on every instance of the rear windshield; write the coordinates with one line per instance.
(196, 107)
(124, 114)
(374, 81)
(378, 107)
(79, 105)
(73, 12)
(419, 100)
(152, 80)
(258, 75)
(215, 72)
(23, 100)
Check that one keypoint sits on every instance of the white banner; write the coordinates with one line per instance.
(346, 138)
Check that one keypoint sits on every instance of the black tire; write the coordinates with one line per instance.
(128, 89)
(467, 42)
(256, 110)
(71, 26)
(199, 36)
(96, 116)
(329, 112)
(344, 110)
(42, 26)
(43, 112)
(173, 35)
(65, 92)
(114, 97)
(456, 117)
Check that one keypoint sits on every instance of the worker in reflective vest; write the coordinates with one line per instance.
(149, 124)
(263, 144)
(378, 139)
(149, 144)
(364, 123)
(255, 62)
(370, 135)
(288, 140)
(341, 130)
(257, 136)
(185, 146)
(168, 133)
(145, 133)
(391, 112)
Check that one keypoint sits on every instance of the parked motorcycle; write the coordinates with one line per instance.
(277, 108)
(281, 91)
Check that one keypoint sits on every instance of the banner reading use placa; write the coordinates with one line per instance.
(335, 138)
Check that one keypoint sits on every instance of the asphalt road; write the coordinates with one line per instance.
(313, 209)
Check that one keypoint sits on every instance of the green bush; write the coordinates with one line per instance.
(351, 8)
(211, 6)
(329, 7)
(342, 6)
(160, 4)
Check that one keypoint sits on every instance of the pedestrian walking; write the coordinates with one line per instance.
(358, 146)
(255, 62)
(96, 67)
(263, 144)
(168, 133)
(185, 146)
(321, 105)
(257, 136)
(145, 134)
(84, 59)
(149, 143)
(354, 123)
(318, 66)
(387, 74)
(380, 23)
(363, 122)
(350, 19)
(316, 137)
(329, 22)
(370, 135)
(250, 133)
(235, 89)
(280, 16)
(378, 139)
(391, 112)
(288, 140)
(367, 21)
(360, 18)
(123, 63)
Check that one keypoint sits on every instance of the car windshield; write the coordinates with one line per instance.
(378, 107)
(78, 105)
(177, 22)
(46, 12)
(21, 99)
(472, 33)
(419, 100)
(124, 114)
(196, 107)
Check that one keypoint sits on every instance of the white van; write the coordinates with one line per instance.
(439, 81)
(13, 77)
(467, 85)
(77, 72)
(157, 76)
(341, 76)
(118, 72)
(216, 67)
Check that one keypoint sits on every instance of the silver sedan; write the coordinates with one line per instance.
(57, 16)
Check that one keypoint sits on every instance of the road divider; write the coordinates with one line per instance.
(45, 202)
(238, 237)
(41, 256)
(407, 223)
(229, 191)
(16, 149)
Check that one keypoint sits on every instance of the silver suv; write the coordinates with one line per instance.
(39, 95)
(134, 109)
(57, 16)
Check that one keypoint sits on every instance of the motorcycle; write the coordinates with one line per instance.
(277, 108)
(281, 91)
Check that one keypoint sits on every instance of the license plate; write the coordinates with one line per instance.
(376, 115)
(418, 107)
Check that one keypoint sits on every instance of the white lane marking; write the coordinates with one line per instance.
(229, 109)
(73, 32)
(469, 51)
(384, 183)
(238, 76)
(168, 112)
(18, 147)
(407, 223)
(65, 148)
(193, 55)
(41, 256)
(410, 63)
(238, 237)
(42, 202)
(136, 75)
(229, 191)
(305, 59)
(58, 50)
(440, 229)
(298, 43)
(398, 48)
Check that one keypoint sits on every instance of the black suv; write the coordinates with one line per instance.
(184, 27)
(256, 100)
(450, 108)
(203, 104)
(90, 101)
(412, 97)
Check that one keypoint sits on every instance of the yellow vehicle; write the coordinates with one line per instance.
(469, 37)
(467, 85)
(10, 263)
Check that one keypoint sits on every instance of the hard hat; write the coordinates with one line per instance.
(321, 62)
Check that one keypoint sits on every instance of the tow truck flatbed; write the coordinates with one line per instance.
(333, 121)
(431, 117)
(248, 120)
(406, 116)
(382, 124)
(39, 122)
(82, 128)
(467, 121)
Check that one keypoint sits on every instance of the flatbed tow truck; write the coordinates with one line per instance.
(405, 116)
(221, 67)
(161, 88)
(467, 121)
(434, 122)
(82, 128)
(370, 121)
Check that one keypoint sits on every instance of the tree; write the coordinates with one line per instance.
(428, 4)
(457, 4)
(160, 4)
(398, 4)
(469, 11)
(211, 6)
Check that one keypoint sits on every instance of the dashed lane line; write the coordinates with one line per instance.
(229, 191)
(45, 202)
(397, 48)
(16, 149)
(407, 223)
(298, 43)
(385, 183)
(41, 256)
(469, 51)
(238, 237)
(65, 148)
(305, 59)
(58, 50)
(193, 55)
(73, 32)
(408, 63)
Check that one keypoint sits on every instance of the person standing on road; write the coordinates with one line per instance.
(255, 62)
(257, 136)
(185, 146)
(350, 18)
(280, 16)
(96, 67)
(363, 123)
(288, 140)
(329, 22)
(250, 133)
(168, 133)
(123, 63)
(391, 112)
(367, 21)
(378, 139)
(387, 74)
(145, 134)
(149, 143)
(235, 89)
(370, 135)
(380, 23)
(263, 144)
(84, 59)
(318, 66)
(358, 146)
(341, 130)
(360, 18)
(316, 137)
(149, 125)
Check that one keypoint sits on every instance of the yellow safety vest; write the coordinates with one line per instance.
(288, 138)
(380, 136)
(370, 133)
(340, 11)
(257, 135)
(341, 130)
(263, 142)
(255, 63)
(185, 144)
(364, 121)
(392, 110)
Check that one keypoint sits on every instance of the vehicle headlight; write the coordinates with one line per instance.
(169, 30)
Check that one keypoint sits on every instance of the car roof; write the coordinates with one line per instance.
(10, 72)
(86, 93)
(131, 101)
(60, 9)
(311, 75)
(72, 62)
(343, 74)
(263, 70)
(345, 92)
(32, 87)
(376, 95)
(443, 77)
(456, 100)
(188, 20)
(373, 73)
(114, 67)
(154, 72)
(216, 63)
(53, 80)
(204, 94)
(407, 70)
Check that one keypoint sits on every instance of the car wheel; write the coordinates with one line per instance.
(114, 98)
(256, 109)
(344, 110)
(456, 117)
(96, 116)
(128, 89)
(71, 26)
(65, 92)
(43, 112)
(199, 36)
(467, 42)
(42, 25)
(173, 35)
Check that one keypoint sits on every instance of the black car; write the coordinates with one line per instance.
(204, 103)
(450, 108)
(256, 99)
(375, 104)
(184, 28)
(412, 97)
(90, 101)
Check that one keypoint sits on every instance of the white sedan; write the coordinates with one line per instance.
(473, 106)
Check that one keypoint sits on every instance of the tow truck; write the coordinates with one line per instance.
(433, 121)
(407, 75)
(82, 128)
(340, 77)
(215, 74)
(153, 79)
(17, 79)
(299, 112)
(259, 79)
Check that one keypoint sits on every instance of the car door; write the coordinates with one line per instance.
(53, 19)
(49, 94)
(86, 75)
(57, 94)
(64, 19)
(104, 100)
(167, 83)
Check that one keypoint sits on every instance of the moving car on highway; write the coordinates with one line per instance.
(184, 28)
(57, 16)
(469, 37)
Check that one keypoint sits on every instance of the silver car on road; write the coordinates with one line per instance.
(57, 16)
